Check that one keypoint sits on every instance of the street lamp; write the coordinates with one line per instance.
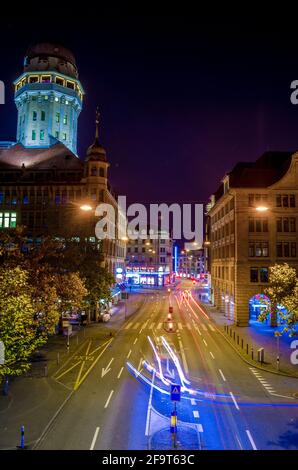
(261, 208)
(86, 208)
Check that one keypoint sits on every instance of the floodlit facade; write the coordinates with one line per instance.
(252, 224)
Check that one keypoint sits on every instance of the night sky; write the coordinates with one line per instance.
(181, 99)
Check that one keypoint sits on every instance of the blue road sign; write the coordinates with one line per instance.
(175, 392)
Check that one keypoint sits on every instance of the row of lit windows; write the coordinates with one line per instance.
(31, 79)
(281, 200)
(42, 135)
(223, 211)
(60, 197)
(143, 250)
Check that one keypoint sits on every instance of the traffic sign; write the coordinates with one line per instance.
(175, 392)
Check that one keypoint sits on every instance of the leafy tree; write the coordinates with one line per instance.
(283, 290)
(18, 325)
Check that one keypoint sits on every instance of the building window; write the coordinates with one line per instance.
(65, 119)
(264, 275)
(254, 275)
(101, 172)
(33, 79)
(34, 116)
(257, 225)
(285, 200)
(41, 134)
(70, 85)
(33, 135)
(46, 79)
(57, 134)
(286, 224)
(57, 118)
(64, 136)
(162, 259)
(286, 249)
(257, 199)
(60, 81)
(258, 249)
(8, 219)
(43, 116)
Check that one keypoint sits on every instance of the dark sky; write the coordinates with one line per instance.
(181, 99)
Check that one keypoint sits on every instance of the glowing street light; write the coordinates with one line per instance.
(261, 208)
(86, 208)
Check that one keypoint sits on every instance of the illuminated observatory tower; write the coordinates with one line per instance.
(48, 97)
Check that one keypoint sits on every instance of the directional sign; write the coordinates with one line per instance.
(175, 392)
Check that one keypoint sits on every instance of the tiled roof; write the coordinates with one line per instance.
(57, 156)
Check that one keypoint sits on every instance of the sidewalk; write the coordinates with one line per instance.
(34, 399)
(247, 341)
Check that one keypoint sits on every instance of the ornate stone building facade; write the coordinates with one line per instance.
(44, 185)
(252, 224)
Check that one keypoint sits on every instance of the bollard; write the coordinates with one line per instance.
(58, 359)
(252, 353)
(234, 336)
(22, 446)
(242, 343)
(238, 339)
(246, 348)
(277, 362)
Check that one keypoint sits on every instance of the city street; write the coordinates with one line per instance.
(119, 403)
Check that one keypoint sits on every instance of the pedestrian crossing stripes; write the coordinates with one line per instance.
(135, 326)
(128, 326)
(262, 381)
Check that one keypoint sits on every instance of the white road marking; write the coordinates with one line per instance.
(193, 402)
(121, 370)
(107, 369)
(196, 414)
(251, 440)
(151, 326)
(211, 355)
(234, 400)
(211, 328)
(128, 355)
(135, 341)
(136, 325)
(108, 400)
(205, 343)
(128, 326)
(140, 363)
(147, 430)
(183, 356)
(198, 330)
(199, 428)
(94, 439)
(221, 373)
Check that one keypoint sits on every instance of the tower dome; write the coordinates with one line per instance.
(47, 56)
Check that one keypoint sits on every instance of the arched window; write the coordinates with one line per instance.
(93, 171)
(102, 172)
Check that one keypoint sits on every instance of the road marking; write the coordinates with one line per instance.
(205, 343)
(128, 326)
(198, 330)
(196, 414)
(193, 402)
(121, 370)
(128, 355)
(251, 440)
(151, 326)
(136, 325)
(211, 355)
(180, 326)
(94, 439)
(204, 327)
(140, 363)
(159, 326)
(107, 369)
(234, 400)
(135, 341)
(211, 328)
(183, 356)
(199, 428)
(108, 400)
(147, 430)
(221, 373)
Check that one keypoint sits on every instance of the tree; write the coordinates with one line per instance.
(283, 291)
(18, 324)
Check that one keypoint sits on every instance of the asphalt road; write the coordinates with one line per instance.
(120, 403)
